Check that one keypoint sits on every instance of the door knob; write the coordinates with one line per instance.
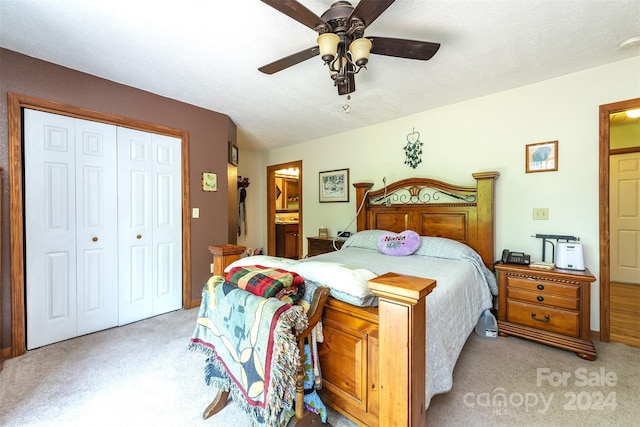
(139, 236)
(95, 239)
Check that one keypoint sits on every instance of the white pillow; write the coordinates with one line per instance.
(263, 260)
(366, 239)
(342, 277)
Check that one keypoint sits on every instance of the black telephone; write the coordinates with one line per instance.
(515, 258)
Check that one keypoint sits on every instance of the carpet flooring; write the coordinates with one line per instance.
(141, 375)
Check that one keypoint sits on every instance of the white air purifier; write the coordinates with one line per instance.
(569, 255)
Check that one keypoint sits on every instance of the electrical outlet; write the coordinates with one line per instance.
(541, 213)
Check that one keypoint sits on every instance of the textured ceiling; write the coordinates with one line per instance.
(207, 52)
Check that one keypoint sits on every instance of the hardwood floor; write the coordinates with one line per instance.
(625, 313)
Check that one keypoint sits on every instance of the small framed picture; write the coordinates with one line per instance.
(233, 154)
(209, 181)
(334, 186)
(542, 157)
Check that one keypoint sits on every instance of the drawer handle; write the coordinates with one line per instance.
(541, 287)
(545, 320)
(539, 298)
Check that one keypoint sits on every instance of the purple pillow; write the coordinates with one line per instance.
(401, 244)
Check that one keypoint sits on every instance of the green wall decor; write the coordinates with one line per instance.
(413, 149)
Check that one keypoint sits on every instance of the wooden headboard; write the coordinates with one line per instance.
(433, 208)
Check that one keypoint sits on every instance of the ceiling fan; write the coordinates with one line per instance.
(341, 41)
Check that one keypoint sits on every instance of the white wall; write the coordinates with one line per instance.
(482, 134)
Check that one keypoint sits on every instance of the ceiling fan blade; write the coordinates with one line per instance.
(297, 11)
(402, 48)
(369, 10)
(290, 60)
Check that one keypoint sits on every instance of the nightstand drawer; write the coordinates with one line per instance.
(538, 285)
(543, 298)
(317, 245)
(544, 318)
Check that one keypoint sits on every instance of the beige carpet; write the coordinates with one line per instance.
(141, 375)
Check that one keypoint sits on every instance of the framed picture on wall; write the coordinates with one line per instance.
(209, 181)
(334, 186)
(542, 157)
(233, 154)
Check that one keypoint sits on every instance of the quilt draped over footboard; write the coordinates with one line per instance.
(251, 347)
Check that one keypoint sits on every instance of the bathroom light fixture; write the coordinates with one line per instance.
(633, 114)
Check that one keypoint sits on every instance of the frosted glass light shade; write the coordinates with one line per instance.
(359, 50)
(328, 44)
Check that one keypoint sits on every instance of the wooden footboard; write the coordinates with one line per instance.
(349, 360)
(373, 360)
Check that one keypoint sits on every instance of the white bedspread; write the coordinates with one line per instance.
(463, 290)
(453, 308)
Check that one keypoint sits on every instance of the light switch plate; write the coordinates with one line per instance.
(195, 213)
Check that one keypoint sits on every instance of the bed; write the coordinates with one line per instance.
(389, 324)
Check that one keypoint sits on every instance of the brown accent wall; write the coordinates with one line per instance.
(209, 133)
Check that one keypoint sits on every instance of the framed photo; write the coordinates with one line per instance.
(233, 154)
(334, 186)
(542, 157)
(209, 181)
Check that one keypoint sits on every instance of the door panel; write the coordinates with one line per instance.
(167, 230)
(625, 217)
(150, 227)
(134, 225)
(50, 233)
(96, 222)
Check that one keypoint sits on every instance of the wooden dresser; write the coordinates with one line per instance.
(321, 245)
(548, 306)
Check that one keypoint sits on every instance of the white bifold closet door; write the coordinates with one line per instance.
(149, 224)
(83, 271)
(70, 221)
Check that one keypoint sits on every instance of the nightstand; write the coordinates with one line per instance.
(548, 306)
(322, 245)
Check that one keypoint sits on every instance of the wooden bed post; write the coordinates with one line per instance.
(223, 255)
(402, 310)
(361, 190)
(486, 207)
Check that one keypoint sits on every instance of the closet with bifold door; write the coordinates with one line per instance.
(103, 226)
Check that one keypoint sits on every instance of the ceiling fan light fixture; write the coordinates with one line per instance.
(328, 44)
(359, 50)
(337, 67)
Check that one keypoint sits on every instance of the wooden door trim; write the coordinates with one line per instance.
(271, 205)
(605, 249)
(15, 104)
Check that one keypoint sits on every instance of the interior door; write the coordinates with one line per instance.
(624, 210)
(69, 227)
(167, 223)
(96, 222)
(149, 224)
